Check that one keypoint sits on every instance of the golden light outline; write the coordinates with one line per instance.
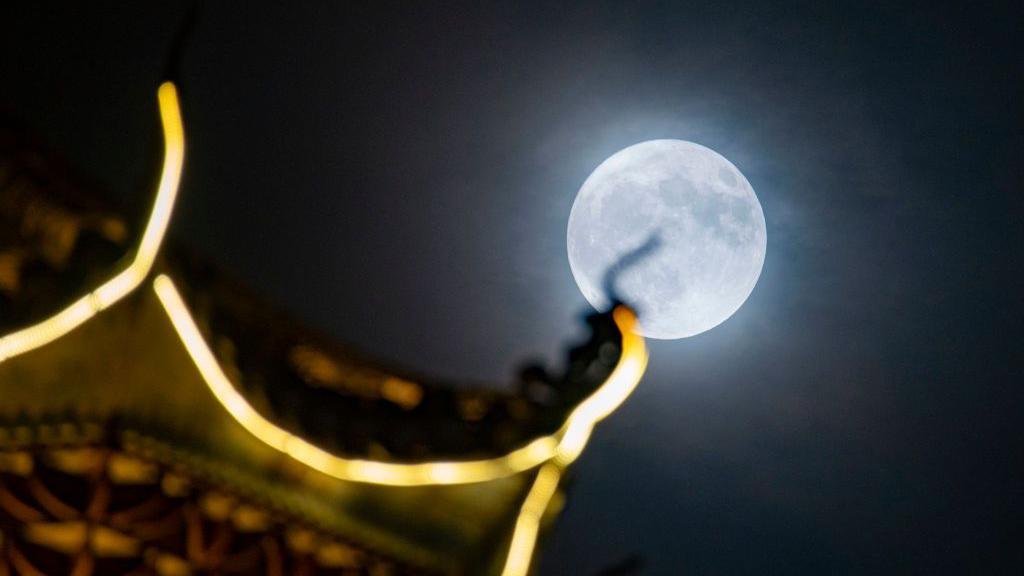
(558, 450)
(575, 433)
(524, 535)
(563, 447)
(127, 280)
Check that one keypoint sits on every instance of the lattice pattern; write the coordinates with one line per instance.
(97, 510)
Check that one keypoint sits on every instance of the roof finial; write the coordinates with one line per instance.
(628, 260)
(172, 66)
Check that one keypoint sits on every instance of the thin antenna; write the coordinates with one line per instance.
(172, 66)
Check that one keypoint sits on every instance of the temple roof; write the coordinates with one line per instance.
(57, 238)
(102, 327)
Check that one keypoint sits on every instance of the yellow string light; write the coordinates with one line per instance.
(563, 446)
(575, 433)
(524, 535)
(128, 279)
(557, 450)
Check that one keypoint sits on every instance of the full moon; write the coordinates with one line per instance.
(708, 224)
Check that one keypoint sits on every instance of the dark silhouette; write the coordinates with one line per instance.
(628, 566)
(172, 66)
(628, 260)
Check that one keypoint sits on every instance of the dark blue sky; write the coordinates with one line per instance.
(402, 178)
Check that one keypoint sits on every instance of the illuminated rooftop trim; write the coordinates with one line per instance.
(128, 279)
(575, 433)
(524, 535)
(554, 452)
(562, 447)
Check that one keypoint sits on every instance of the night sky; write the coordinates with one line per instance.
(402, 177)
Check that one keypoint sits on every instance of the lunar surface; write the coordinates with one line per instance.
(707, 223)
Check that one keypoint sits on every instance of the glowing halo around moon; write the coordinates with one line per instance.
(707, 220)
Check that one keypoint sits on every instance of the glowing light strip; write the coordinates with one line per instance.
(564, 446)
(619, 385)
(524, 536)
(124, 282)
(561, 448)
(575, 434)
